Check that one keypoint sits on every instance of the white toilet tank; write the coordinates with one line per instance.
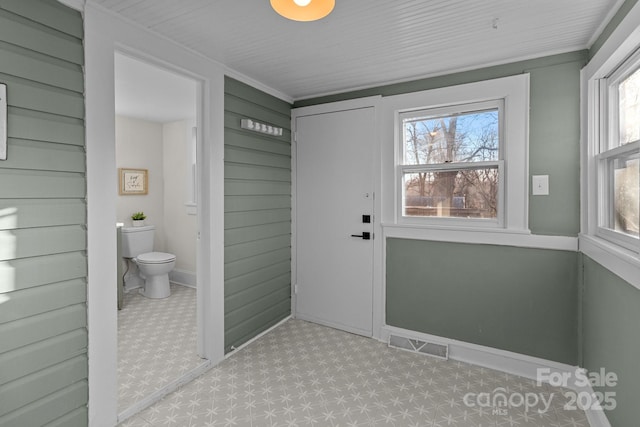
(137, 240)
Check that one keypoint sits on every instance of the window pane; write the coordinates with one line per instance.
(461, 137)
(626, 203)
(629, 108)
(465, 193)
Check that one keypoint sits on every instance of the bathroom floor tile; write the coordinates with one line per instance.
(157, 341)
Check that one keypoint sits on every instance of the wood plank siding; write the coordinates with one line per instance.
(43, 264)
(257, 235)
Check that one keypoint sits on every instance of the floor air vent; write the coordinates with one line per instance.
(441, 351)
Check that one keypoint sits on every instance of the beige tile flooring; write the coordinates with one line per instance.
(157, 341)
(302, 374)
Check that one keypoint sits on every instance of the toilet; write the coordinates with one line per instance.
(153, 267)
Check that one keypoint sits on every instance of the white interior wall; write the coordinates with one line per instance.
(180, 228)
(162, 149)
(139, 145)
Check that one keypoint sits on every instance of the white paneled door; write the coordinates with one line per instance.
(334, 197)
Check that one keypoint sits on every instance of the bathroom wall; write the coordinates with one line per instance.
(162, 149)
(139, 146)
(180, 227)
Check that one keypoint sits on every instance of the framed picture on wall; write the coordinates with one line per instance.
(133, 181)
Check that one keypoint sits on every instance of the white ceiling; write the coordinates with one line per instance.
(365, 43)
(150, 93)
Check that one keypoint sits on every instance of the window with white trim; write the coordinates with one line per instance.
(452, 162)
(618, 159)
(461, 156)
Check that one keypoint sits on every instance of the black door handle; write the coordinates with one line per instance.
(365, 235)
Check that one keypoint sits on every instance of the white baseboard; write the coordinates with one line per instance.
(502, 360)
(596, 417)
(183, 277)
(488, 357)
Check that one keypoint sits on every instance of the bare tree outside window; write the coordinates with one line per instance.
(629, 108)
(624, 167)
(445, 149)
(626, 195)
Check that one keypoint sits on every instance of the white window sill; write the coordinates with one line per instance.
(476, 235)
(620, 261)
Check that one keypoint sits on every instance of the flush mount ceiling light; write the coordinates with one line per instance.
(303, 10)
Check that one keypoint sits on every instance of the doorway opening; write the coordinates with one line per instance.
(157, 145)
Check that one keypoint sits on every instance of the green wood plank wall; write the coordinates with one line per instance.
(43, 266)
(257, 225)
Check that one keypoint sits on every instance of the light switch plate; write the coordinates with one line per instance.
(540, 185)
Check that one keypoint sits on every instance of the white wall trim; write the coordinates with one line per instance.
(183, 277)
(106, 33)
(615, 259)
(596, 418)
(613, 9)
(481, 236)
(258, 85)
(501, 360)
(618, 46)
(101, 235)
(488, 357)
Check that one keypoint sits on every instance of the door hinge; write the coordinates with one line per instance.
(295, 289)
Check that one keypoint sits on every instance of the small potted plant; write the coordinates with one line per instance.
(138, 219)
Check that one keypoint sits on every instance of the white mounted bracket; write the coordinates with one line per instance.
(3, 121)
(250, 124)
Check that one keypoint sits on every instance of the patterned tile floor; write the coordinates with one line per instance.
(157, 341)
(302, 374)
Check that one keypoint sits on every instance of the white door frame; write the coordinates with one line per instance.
(202, 212)
(378, 241)
(104, 35)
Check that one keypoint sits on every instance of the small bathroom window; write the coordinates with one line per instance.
(192, 178)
